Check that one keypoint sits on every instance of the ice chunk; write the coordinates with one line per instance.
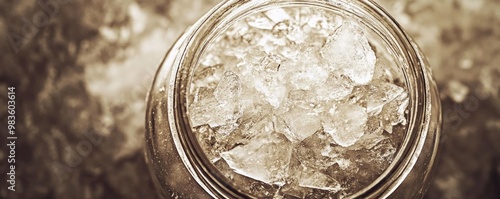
(202, 93)
(300, 124)
(335, 88)
(368, 141)
(210, 60)
(259, 72)
(348, 50)
(213, 113)
(325, 25)
(245, 184)
(295, 33)
(207, 76)
(310, 152)
(220, 108)
(309, 77)
(269, 85)
(346, 124)
(335, 157)
(303, 70)
(379, 94)
(287, 26)
(343, 163)
(373, 125)
(318, 180)
(229, 89)
(265, 158)
(259, 126)
(393, 113)
(385, 70)
(277, 15)
(207, 138)
(201, 112)
(298, 95)
(260, 21)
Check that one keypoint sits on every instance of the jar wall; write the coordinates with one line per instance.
(416, 183)
(171, 177)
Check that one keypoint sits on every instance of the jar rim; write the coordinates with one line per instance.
(212, 180)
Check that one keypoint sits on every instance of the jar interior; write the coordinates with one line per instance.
(265, 147)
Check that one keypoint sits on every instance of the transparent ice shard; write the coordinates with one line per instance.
(335, 88)
(260, 21)
(318, 180)
(259, 72)
(265, 158)
(277, 15)
(228, 90)
(393, 113)
(380, 93)
(308, 77)
(325, 25)
(271, 87)
(202, 112)
(220, 108)
(207, 76)
(257, 126)
(368, 141)
(302, 69)
(346, 124)
(300, 124)
(348, 51)
(209, 142)
(295, 33)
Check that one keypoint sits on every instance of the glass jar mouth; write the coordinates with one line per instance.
(227, 12)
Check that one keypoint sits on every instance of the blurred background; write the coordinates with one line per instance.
(82, 70)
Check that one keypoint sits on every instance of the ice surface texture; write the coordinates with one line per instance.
(297, 98)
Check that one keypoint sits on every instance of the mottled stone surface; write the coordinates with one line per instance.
(82, 78)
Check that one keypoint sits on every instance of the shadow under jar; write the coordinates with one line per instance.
(293, 99)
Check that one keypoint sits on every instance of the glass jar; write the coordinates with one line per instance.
(179, 166)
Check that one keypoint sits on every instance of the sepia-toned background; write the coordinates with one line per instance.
(82, 74)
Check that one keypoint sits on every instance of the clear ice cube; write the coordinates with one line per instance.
(348, 50)
(334, 88)
(277, 15)
(209, 142)
(300, 124)
(380, 93)
(260, 21)
(368, 141)
(271, 87)
(265, 158)
(220, 108)
(308, 77)
(262, 126)
(213, 113)
(303, 69)
(229, 89)
(393, 113)
(318, 180)
(346, 124)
